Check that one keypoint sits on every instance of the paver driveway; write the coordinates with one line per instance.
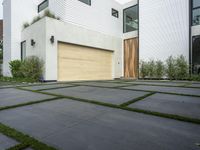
(110, 121)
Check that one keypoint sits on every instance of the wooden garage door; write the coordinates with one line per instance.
(83, 63)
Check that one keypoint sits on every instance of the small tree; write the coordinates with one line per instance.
(160, 69)
(151, 68)
(182, 67)
(171, 68)
(143, 69)
(15, 68)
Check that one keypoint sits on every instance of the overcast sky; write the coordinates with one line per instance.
(1, 8)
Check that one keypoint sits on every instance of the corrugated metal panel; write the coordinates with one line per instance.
(96, 17)
(164, 28)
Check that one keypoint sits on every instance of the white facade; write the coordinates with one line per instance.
(163, 30)
(75, 35)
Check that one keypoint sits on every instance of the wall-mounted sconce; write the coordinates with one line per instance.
(52, 39)
(32, 42)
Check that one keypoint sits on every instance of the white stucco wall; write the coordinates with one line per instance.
(73, 34)
(37, 32)
(164, 28)
(16, 13)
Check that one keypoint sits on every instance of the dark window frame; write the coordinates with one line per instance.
(192, 10)
(22, 53)
(124, 16)
(45, 1)
(90, 3)
(115, 13)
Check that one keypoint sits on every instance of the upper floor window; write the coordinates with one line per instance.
(88, 2)
(115, 13)
(195, 12)
(131, 19)
(43, 5)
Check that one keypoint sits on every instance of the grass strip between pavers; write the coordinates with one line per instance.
(63, 87)
(24, 139)
(30, 103)
(137, 99)
(21, 146)
(170, 116)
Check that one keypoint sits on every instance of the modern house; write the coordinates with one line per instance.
(100, 39)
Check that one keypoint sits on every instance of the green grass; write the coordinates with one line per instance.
(25, 140)
(19, 147)
(57, 88)
(137, 99)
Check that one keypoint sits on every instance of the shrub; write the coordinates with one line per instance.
(160, 69)
(151, 69)
(15, 68)
(32, 68)
(171, 68)
(194, 78)
(182, 67)
(143, 69)
(25, 25)
(47, 13)
(36, 19)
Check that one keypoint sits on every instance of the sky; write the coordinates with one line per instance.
(1, 8)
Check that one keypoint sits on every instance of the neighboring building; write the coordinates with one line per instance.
(100, 39)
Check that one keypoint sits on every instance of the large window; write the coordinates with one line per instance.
(43, 5)
(196, 55)
(131, 19)
(195, 12)
(23, 50)
(88, 2)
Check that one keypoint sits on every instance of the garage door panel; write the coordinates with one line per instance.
(83, 63)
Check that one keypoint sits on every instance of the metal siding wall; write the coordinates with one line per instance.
(164, 28)
(96, 17)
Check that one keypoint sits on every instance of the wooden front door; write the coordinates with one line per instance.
(131, 58)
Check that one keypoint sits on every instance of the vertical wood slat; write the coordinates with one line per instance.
(131, 58)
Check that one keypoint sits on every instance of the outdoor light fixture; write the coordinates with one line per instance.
(32, 42)
(52, 39)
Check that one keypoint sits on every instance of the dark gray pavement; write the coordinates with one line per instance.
(101, 84)
(11, 96)
(114, 96)
(156, 83)
(47, 86)
(171, 104)
(178, 90)
(6, 142)
(72, 125)
(67, 124)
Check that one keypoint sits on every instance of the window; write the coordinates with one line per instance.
(23, 50)
(196, 55)
(43, 5)
(115, 13)
(131, 19)
(195, 12)
(88, 2)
